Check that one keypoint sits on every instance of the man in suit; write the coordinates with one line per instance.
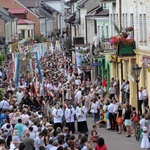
(29, 143)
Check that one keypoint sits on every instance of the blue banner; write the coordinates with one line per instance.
(38, 65)
(17, 70)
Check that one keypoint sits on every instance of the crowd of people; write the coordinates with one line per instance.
(41, 112)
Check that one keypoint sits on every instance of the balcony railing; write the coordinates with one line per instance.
(126, 50)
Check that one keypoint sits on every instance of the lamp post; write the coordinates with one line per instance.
(137, 71)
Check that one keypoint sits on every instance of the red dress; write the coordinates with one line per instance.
(104, 82)
(104, 147)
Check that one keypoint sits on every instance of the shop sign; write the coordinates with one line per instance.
(114, 58)
(146, 61)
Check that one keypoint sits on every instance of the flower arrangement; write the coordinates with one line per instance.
(122, 37)
(82, 49)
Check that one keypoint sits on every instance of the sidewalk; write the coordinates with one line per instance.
(116, 141)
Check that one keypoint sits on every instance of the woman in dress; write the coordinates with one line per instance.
(127, 118)
(145, 141)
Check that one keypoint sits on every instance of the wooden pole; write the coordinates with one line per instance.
(120, 13)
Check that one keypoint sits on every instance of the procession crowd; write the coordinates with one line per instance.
(41, 112)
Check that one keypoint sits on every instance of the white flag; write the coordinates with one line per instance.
(130, 77)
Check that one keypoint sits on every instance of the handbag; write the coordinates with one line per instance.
(119, 120)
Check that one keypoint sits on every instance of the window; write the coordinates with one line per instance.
(126, 20)
(131, 20)
(28, 33)
(140, 28)
(23, 34)
(144, 28)
(107, 36)
(123, 21)
(117, 19)
(32, 34)
(102, 30)
(104, 5)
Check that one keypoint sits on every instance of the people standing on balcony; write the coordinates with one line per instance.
(127, 92)
(122, 91)
(96, 43)
(145, 98)
(140, 102)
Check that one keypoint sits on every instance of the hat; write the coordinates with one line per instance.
(144, 129)
(47, 124)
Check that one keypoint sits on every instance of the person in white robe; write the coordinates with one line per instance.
(81, 112)
(69, 116)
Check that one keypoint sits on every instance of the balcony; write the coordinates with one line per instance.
(108, 1)
(126, 50)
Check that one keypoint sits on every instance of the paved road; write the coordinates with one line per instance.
(115, 141)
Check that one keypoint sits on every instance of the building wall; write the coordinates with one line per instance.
(58, 5)
(136, 14)
(2, 26)
(26, 28)
(82, 27)
(30, 15)
(103, 27)
(90, 30)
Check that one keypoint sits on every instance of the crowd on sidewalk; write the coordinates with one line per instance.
(41, 112)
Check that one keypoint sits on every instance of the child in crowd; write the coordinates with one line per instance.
(145, 141)
(101, 144)
(94, 135)
(142, 125)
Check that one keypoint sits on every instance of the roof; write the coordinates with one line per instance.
(88, 4)
(103, 13)
(30, 3)
(24, 21)
(49, 8)
(98, 11)
(17, 10)
(5, 15)
(70, 18)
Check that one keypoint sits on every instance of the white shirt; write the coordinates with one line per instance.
(37, 142)
(19, 96)
(4, 104)
(77, 82)
(69, 114)
(78, 96)
(142, 123)
(96, 40)
(57, 114)
(111, 90)
(25, 118)
(144, 94)
(94, 107)
(111, 108)
(140, 96)
(81, 113)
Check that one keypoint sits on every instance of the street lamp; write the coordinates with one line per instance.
(137, 71)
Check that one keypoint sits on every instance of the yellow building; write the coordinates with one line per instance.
(143, 59)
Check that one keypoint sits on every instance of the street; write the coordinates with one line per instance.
(115, 141)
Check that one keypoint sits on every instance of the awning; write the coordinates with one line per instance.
(70, 18)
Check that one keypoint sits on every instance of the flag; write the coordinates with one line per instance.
(130, 77)
(43, 102)
(51, 94)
